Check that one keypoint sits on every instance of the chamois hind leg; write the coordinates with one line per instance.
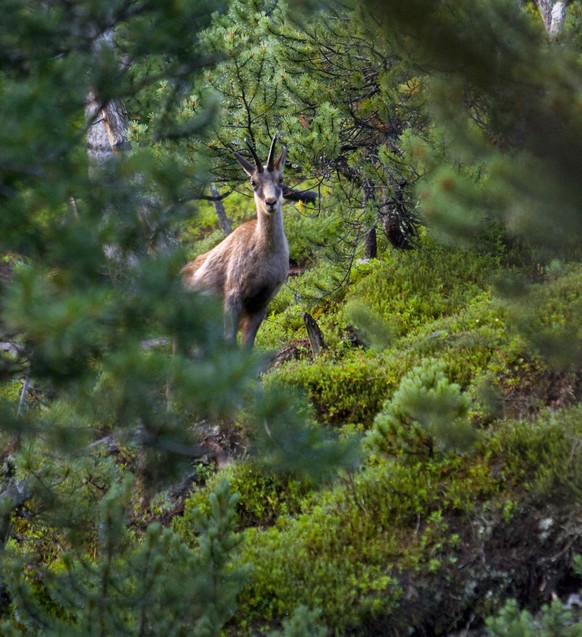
(250, 325)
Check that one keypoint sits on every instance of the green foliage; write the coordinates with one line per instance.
(350, 390)
(123, 369)
(127, 587)
(303, 623)
(286, 438)
(426, 413)
(414, 288)
(375, 331)
(336, 557)
(263, 496)
(543, 454)
(473, 339)
(449, 317)
(554, 620)
(496, 109)
(472, 118)
(356, 546)
(548, 315)
(312, 230)
(284, 78)
(345, 551)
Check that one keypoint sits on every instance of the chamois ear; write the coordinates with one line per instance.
(247, 167)
(280, 161)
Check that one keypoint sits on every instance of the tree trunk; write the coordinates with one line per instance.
(223, 221)
(553, 15)
(106, 121)
(558, 18)
(400, 225)
(107, 138)
(371, 244)
(545, 9)
(106, 130)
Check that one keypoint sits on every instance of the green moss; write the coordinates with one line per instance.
(352, 549)
(543, 455)
(283, 324)
(345, 555)
(349, 385)
(415, 288)
(317, 559)
(264, 497)
(352, 552)
(548, 315)
(349, 390)
(433, 303)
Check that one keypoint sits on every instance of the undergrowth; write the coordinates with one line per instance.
(355, 547)
(428, 493)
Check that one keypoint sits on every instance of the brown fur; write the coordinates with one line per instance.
(247, 268)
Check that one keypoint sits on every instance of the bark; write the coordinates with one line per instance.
(553, 15)
(371, 244)
(107, 138)
(223, 221)
(558, 18)
(400, 224)
(315, 334)
(106, 120)
(545, 9)
(106, 130)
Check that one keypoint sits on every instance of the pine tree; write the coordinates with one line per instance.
(426, 414)
(504, 96)
(92, 391)
(500, 170)
(341, 98)
(157, 586)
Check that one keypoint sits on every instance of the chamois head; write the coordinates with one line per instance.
(266, 180)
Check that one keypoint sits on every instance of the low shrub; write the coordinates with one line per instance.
(349, 390)
(395, 527)
(264, 497)
(426, 414)
(412, 289)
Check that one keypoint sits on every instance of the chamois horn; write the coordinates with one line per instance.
(270, 159)
(258, 162)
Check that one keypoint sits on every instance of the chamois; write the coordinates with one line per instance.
(249, 266)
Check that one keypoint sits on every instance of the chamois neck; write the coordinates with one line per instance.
(270, 224)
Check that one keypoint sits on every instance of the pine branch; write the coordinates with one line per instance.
(305, 196)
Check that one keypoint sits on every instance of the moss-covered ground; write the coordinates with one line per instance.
(449, 514)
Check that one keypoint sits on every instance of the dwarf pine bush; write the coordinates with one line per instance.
(426, 413)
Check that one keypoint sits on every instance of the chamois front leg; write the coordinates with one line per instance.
(232, 315)
(250, 326)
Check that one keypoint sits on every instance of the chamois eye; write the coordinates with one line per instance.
(254, 184)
